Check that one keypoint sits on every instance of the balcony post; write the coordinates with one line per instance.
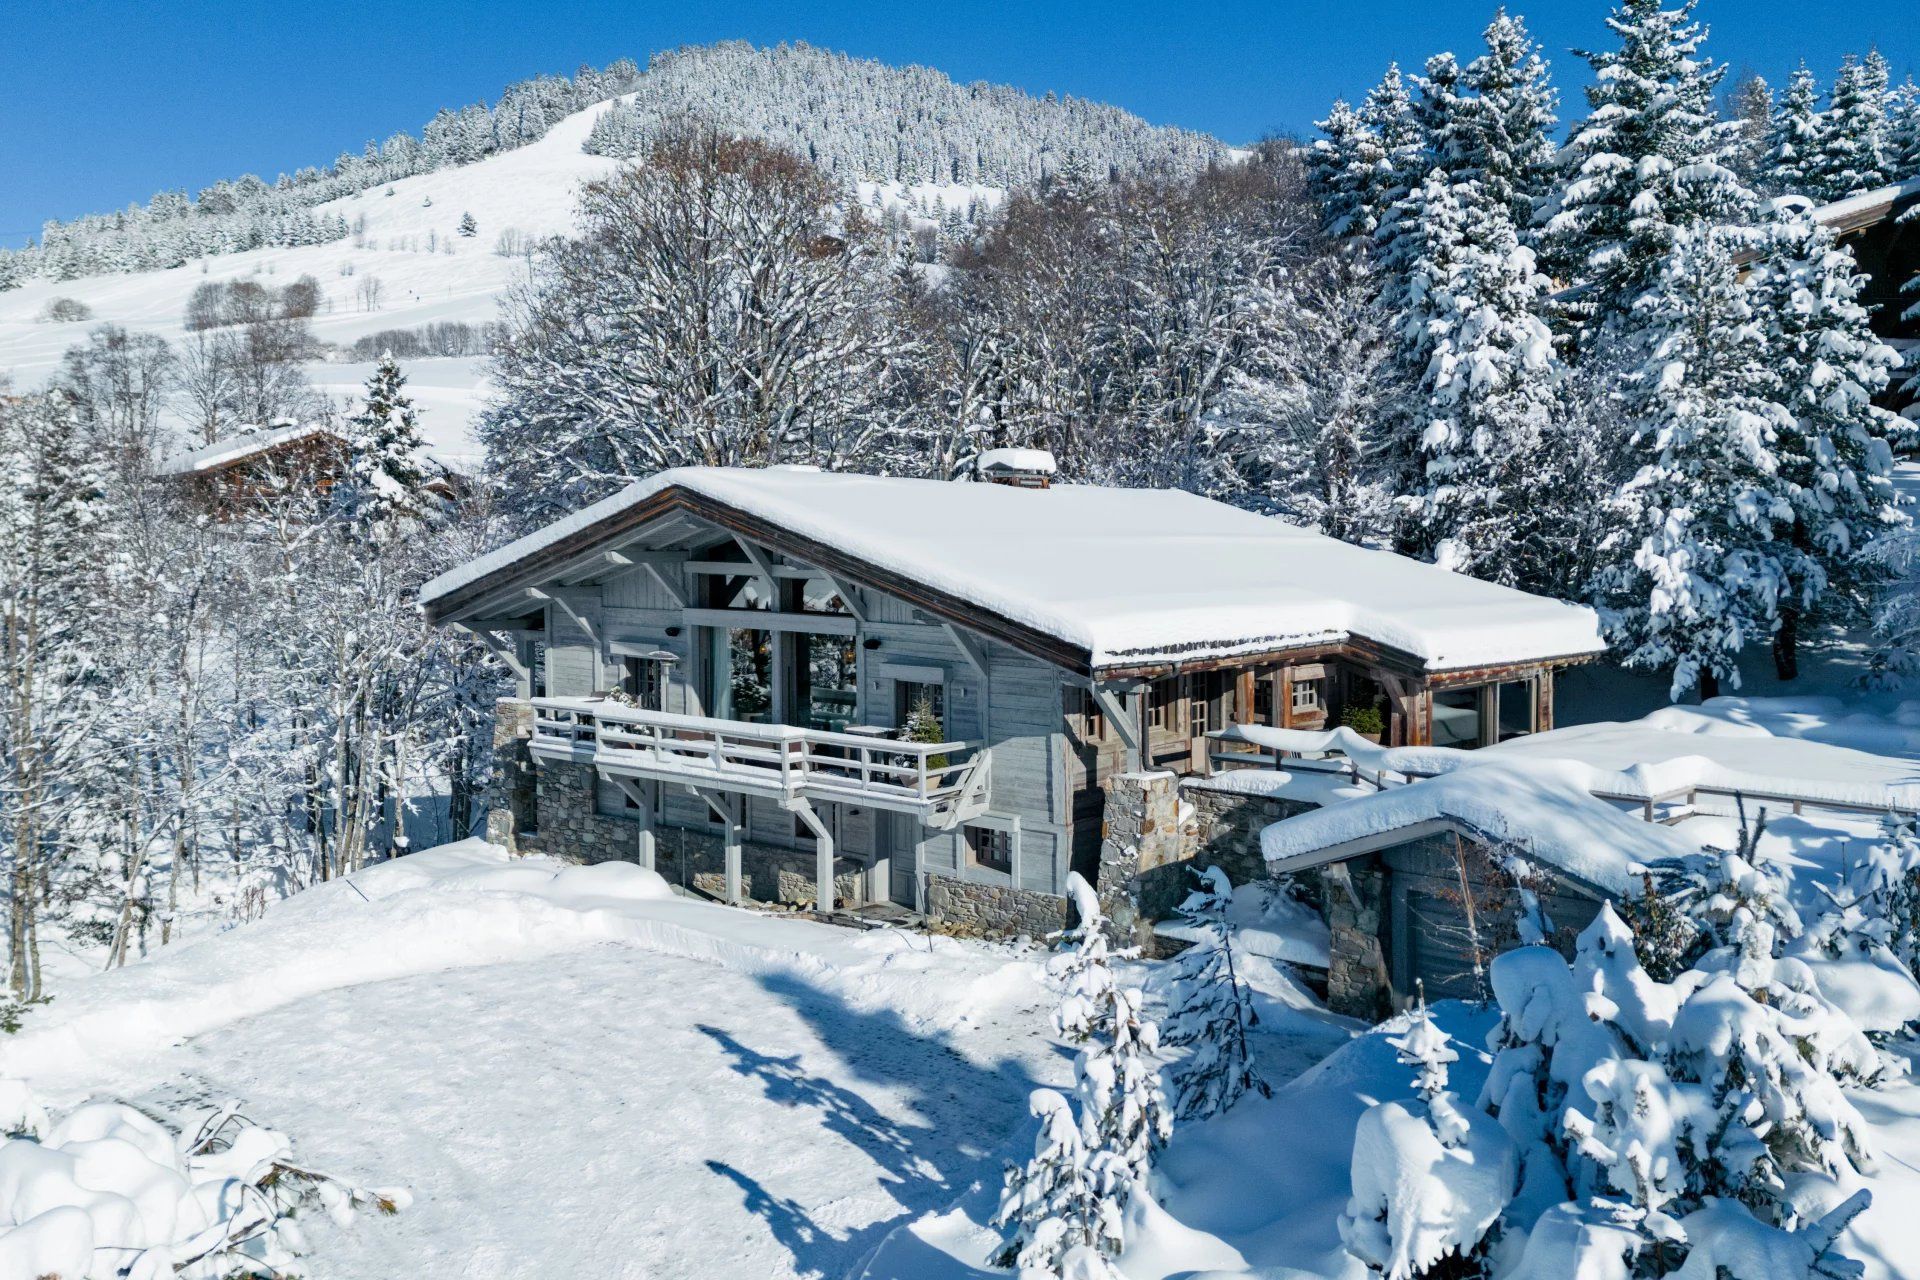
(648, 841)
(733, 849)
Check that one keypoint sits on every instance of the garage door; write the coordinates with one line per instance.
(1434, 947)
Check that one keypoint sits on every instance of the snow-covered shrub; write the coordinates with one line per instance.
(109, 1192)
(1639, 1105)
(1429, 1180)
(1064, 1206)
(1063, 1201)
(1212, 1011)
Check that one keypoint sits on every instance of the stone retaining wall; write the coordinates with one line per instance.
(993, 910)
(570, 827)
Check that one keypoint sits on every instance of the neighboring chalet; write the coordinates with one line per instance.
(1882, 228)
(251, 467)
(254, 466)
(812, 687)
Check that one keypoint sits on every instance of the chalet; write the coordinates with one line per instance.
(1882, 229)
(253, 466)
(815, 687)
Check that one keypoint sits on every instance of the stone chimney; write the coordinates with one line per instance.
(1017, 468)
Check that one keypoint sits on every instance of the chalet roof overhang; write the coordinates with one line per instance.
(629, 527)
(1444, 824)
(594, 551)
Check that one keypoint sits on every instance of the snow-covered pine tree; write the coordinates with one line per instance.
(1511, 149)
(1886, 882)
(1300, 418)
(1903, 131)
(468, 226)
(1123, 1109)
(1691, 572)
(1388, 112)
(1749, 109)
(1211, 1010)
(384, 470)
(57, 560)
(1066, 1204)
(1645, 162)
(1343, 172)
(1835, 457)
(1429, 1181)
(1467, 301)
(1851, 155)
(1062, 1207)
(1793, 141)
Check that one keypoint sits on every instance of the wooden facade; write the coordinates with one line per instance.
(670, 599)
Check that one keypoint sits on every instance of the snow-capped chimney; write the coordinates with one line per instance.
(1017, 468)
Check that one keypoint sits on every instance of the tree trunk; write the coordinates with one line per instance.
(1786, 644)
(1709, 685)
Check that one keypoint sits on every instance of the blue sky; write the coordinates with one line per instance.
(105, 103)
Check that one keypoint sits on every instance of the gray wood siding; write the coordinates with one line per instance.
(1023, 716)
(1017, 711)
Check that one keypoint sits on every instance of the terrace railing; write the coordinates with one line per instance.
(943, 782)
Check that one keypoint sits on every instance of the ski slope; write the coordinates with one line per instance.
(406, 238)
(531, 190)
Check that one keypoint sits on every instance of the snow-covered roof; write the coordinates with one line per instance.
(235, 448)
(1866, 208)
(1132, 576)
(1677, 748)
(1039, 461)
(1543, 807)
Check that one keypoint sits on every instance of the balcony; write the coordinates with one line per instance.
(941, 783)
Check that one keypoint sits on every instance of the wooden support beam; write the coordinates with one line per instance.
(1113, 705)
(850, 594)
(971, 647)
(587, 628)
(507, 653)
(638, 793)
(668, 586)
(822, 854)
(762, 566)
(728, 806)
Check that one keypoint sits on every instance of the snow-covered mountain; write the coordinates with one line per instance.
(405, 235)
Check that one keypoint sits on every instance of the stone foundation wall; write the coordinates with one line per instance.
(1226, 823)
(1353, 901)
(572, 828)
(993, 910)
(1157, 828)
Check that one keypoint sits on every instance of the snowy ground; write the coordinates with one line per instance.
(578, 1073)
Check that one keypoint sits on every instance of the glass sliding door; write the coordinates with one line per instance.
(825, 683)
(739, 674)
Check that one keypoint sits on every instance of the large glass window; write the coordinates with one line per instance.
(817, 595)
(747, 591)
(1456, 718)
(826, 680)
(1516, 709)
(739, 676)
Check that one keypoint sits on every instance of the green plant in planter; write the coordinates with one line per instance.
(923, 725)
(1364, 720)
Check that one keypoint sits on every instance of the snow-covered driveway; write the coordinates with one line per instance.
(615, 1113)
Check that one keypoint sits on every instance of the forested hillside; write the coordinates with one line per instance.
(858, 119)
(861, 120)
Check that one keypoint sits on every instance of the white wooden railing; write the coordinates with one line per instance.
(938, 778)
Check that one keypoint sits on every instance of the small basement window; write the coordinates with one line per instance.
(990, 848)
